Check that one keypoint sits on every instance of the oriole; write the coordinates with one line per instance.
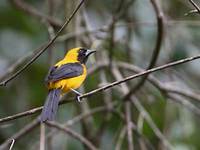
(66, 75)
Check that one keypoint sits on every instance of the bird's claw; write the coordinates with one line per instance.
(78, 97)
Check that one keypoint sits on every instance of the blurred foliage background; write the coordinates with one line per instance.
(129, 38)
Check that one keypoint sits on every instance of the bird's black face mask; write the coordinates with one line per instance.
(83, 55)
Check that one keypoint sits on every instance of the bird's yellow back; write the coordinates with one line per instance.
(70, 57)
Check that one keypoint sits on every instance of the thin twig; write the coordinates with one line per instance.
(195, 5)
(87, 114)
(51, 34)
(111, 40)
(185, 103)
(128, 125)
(20, 115)
(73, 134)
(19, 62)
(32, 111)
(107, 98)
(182, 92)
(131, 24)
(140, 124)
(42, 136)
(161, 86)
(196, 10)
(120, 138)
(127, 108)
(20, 133)
(137, 132)
(3, 83)
(150, 121)
(12, 144)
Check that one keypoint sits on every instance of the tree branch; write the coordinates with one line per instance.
(42, 136)
(161, 86)
(195, 5)
(20, 133)
(120, 138)
(12, 144)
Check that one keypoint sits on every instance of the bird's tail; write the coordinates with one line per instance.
(51, 105)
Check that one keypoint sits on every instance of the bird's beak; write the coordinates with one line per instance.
(89, 52)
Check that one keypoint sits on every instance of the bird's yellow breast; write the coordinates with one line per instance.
(70, 83)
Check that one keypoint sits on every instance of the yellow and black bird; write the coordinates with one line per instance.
(66, 75)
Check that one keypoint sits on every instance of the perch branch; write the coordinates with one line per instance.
(32, 111)
(175, 63)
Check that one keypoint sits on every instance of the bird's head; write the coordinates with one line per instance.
(79, 54)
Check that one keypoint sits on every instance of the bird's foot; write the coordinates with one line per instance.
(78, 98)
(78, 95)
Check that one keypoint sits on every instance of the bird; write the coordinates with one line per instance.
(66, 75)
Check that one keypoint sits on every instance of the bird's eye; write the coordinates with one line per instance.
(82, 51)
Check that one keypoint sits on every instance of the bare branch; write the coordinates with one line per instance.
(185, 103)
(120, 138)
(161, 86)
(128, 125)
(137, 132)
(196, 6)
(127, 108)
(42, 136)
(191, 12)
(19, 62)
(22, 114)
(150, 121)
(12, 144)
(20, 133)
(182, 92)
(32, 111)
